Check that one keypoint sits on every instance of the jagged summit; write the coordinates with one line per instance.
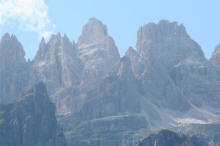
(215, 59)
(167, 42)
(92, 32)
(164, 28)
(97, 50)
(13, 68)
(7, 36)
(130, 51)
(57, 61)
(57, 44)
(165, 82)
(11, 50)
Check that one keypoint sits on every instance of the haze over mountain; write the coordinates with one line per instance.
(104, 99)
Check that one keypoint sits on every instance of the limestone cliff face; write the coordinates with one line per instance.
(13, 69)
(70, 70)
(97, 51)
(57, 62)
(58, 65)
(30, 120)
(167, 42)
(159, 48)
(110, 113)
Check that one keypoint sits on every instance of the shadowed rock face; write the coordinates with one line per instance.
(168, 138)
(13, 69)
(30, 121)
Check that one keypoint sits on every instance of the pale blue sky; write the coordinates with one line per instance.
(123, 18)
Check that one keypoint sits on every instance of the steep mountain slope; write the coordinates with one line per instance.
(110, 114)
(14, 70)
(174, 72)
(98, 52)
(70, 70)
(30, 121)
(159, 48)
(57, 64)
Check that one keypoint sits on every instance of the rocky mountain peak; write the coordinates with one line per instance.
(92, 32)
(158, 32)
(57, 45)
(167, 42)
(57, 63)
(97, 50)
(13, 68)
(11, 51)
(130, 52)
(42, 43)
(215, 59)
(125, 70)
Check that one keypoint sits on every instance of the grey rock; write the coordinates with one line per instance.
(57, 64)
(169, 138)
(165, 80)
(215, 59)
(97, 51)
(14, 70)
(30, 120)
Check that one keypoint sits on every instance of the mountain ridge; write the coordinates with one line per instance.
(165, 82)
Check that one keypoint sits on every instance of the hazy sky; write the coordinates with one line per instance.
(31, 19)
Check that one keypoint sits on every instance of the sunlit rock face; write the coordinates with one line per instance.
(13, 68)
(58, 65)
(30, 120)
(57, 62)
(70, 70)
(159, 48)
(98, 52)
(167, 42)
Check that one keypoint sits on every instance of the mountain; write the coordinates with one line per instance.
(166, 82)
(159, 48)
(98, 52)
(70, 70)
(58, 65)
(111, 113)
(30, 120)
(169, 138)
(104, 99)
(14, 70)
